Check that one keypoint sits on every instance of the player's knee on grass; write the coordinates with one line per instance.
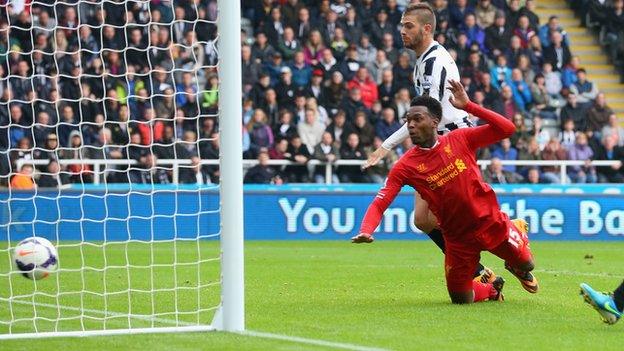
(459, 284)
(459, 266)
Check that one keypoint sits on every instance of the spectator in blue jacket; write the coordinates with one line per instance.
(274, 68)
(458, 12)
(301, 71)
(17, 133)
(387, 125)
(520, 89)
(475, 34)
(552, 26)
(568, 74)
(506, 152)
(181, 88)
(500, 73)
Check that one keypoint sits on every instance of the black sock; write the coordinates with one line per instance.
(436, 236)
(618, 296)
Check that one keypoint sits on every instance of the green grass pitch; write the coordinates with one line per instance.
(388, 295)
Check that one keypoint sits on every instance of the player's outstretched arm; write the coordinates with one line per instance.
(498, 127)
(371, 218)
(395, 139)
(382, 200)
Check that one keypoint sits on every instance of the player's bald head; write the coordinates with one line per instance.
(424, 14)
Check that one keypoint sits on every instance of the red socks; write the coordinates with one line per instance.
(483, 292)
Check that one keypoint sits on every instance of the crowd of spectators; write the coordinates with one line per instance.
(315, 70)
(114, 80)
(323, 80)
(606, 18)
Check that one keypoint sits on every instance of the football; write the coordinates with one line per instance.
(35, 258)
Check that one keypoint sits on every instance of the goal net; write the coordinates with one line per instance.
(109, 148)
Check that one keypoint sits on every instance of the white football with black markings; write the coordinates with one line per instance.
(35, 258)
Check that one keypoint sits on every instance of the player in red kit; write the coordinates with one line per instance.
(444, 170)
(434, 66)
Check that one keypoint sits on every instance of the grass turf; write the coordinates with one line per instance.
(388, 294)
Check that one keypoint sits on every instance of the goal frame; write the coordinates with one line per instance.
(230, 314)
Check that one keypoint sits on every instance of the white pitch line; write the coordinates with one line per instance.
(100, 312)
(579, 274)
(295, 339)
(336, 345)
(537, 270)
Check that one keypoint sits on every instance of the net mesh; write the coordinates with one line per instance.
(108, 115)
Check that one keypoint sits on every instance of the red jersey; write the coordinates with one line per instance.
(448, 178)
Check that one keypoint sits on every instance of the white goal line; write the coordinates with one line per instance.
(296, 339)
(100, 312)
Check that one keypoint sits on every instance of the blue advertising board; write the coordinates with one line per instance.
(112, 216)
(289, 213)
(325, 216)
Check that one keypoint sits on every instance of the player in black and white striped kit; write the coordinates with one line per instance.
(434, 67)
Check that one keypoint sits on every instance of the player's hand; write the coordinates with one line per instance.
(459, 99)
(375, 157)
(362, 238)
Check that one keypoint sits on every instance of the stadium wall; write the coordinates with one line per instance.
(306, 212)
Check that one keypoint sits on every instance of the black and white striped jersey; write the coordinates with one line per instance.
(432, 71)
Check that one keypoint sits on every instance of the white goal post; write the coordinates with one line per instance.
(149, 255)
(233, 292)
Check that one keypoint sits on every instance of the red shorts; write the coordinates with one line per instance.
(461, 259)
